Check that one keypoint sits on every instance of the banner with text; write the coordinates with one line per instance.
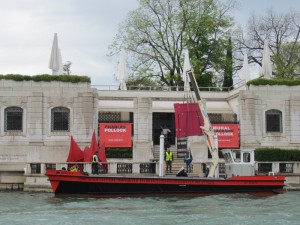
(115, 134)
(228, 135)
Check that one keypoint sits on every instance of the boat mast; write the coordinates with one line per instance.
(212, 139)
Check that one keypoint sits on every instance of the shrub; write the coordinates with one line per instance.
(47, 78)
(124, 153)
(276, 155)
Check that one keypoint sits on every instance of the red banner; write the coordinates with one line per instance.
(188, 119)
(228, 135)
(115, 134)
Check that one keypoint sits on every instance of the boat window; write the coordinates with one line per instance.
(246, 157)
(227, 157)
(237, 156)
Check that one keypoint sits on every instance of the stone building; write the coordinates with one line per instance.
(38, 118)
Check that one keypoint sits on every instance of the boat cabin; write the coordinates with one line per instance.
(239, 162)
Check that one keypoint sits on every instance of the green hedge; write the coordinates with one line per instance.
(47, 78)
(264, 81)
(123, 153)
(276, 155)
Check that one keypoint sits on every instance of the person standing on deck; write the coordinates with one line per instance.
(95, 163)
(169, 160)
(188, 158)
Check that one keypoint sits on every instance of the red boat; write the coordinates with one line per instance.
(240, 175)
(83, 184)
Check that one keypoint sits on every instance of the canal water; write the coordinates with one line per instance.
(44, 208)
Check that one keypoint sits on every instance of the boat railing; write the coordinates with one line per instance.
(151, 167)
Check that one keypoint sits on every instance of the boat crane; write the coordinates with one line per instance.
(212, 139)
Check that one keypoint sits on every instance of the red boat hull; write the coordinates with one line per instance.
(81, 184)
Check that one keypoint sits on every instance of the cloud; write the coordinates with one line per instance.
(84, 28)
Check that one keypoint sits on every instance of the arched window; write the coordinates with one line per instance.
(60, 119)
(273, 121)
(13, 119)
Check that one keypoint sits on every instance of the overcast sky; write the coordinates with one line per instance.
(85, 29)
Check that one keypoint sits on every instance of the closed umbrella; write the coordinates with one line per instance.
(245, 69)
(186, 67)
(266, 68)
(122, 75)
(55, 62)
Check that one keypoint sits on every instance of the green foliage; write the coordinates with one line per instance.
(47, 78)
(143, 81)
(276, 155)
(286, 60)
(156, 34)
(124, 153)
(264, 81)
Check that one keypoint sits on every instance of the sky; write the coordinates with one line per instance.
(85, 29)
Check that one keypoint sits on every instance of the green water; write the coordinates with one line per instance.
(41, 208)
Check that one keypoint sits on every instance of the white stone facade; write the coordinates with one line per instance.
(37, 144)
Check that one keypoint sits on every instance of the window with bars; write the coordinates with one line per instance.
(13, 119)
(273, 121)
(60, 119)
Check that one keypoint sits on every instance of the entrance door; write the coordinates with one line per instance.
(161, 120)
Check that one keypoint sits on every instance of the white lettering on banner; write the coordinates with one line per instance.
(115, 129)
(223, 131)
(224, 134)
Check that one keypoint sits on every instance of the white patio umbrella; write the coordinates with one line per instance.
(266, 68)
(55, 62)
(186, 67)
(245, 69)
(122, 75)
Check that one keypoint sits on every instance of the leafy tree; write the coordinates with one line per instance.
(282, 31)
(287, 61)
(157, 32)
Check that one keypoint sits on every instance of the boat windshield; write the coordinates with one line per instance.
(246, 157)
(236, 155)
(227, 157)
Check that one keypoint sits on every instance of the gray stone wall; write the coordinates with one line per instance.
(253, 105)
(36, 143)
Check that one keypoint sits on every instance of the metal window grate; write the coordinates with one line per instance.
(147, 167)
(109, 116)
(60, 119)
(124, 168)
(13, 119)
(264, 167)
(35, 168)
(273, 121)
(286, 167)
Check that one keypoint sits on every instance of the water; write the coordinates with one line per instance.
(44, 208)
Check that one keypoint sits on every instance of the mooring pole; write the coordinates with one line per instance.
(161, 155)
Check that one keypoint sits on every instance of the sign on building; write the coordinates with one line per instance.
(115, 134)
(228, 135)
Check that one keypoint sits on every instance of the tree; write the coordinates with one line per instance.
(228, 71)
(156, 34)
(282, 31)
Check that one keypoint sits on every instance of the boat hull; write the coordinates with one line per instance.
(80, 184)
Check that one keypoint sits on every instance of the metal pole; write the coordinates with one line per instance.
(161, 156)
(217, 147)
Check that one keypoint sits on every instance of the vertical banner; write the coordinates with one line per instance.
(228, 135)
(115, 134)
(188, 119)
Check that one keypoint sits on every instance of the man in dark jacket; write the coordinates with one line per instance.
(188, 158)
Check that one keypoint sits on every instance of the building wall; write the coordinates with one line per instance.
(37, 143)
(254, 103)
